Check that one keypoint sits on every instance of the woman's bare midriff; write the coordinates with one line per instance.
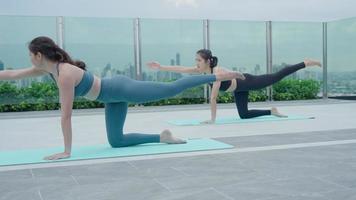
(233, 86)
(94, 90)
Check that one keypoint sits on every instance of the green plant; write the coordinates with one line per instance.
(292, 89)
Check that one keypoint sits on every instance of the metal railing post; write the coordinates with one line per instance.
(325, 61)
(269, 56)
(60, 31)
(137, 49)
(206, 44)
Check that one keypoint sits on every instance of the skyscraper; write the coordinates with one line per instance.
(257, 69)
(106, 69)
(1, 65)
(177, 58)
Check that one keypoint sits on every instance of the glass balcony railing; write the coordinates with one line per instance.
(341, 58)
(112, 46)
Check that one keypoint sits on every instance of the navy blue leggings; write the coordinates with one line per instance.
(253, 82)
(117, 91)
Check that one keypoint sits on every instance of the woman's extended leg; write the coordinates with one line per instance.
(125, 89)
(145, 91)
(253, 82)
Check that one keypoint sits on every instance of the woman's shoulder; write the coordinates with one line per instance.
(68, 70)
(68, 67)
(66, 64)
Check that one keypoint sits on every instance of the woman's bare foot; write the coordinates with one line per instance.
(229, 75)
(167, 137)
(275, 112)
(309, 62)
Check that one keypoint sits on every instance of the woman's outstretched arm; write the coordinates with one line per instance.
(13, 74)
(178, 69)
(66, 84)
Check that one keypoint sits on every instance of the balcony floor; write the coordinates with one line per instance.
(301, 159)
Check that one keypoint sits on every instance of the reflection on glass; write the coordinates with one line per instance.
(292, 42)
(239, 46)
(170, 42)
(341, 57)
(104, 44)
(15, 34)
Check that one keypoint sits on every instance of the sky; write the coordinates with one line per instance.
(259, 10)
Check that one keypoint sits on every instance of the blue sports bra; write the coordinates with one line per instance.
(84, 85)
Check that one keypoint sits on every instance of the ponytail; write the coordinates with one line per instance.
(213, 61)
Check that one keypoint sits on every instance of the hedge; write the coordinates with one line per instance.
(44, 96)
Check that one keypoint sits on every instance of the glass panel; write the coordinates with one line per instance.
(171, 42)
(292, 42)
(104, 44)
(15, 34)
(239, 45)
(341, 57)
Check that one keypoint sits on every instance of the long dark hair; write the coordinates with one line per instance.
(207, 55)
(47, 47)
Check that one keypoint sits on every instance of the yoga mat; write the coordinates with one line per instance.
(233, 120)
(32, 156)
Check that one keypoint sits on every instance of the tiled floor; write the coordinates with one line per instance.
(307, 159)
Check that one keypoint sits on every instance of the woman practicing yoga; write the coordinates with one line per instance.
(73, 80)
(207, 63)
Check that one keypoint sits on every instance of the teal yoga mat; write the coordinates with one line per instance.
(233, 120)
(32, 156)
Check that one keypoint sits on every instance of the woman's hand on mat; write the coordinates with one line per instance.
(57, 156)
(210, 121)
(154, 65)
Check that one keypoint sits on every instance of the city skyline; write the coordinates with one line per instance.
(338, 82)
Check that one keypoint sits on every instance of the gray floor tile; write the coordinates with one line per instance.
(290, 138)
(305, 187)
(14, 174)
(129, 189)
(204, 194)
(323, 172)
(28, 194)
